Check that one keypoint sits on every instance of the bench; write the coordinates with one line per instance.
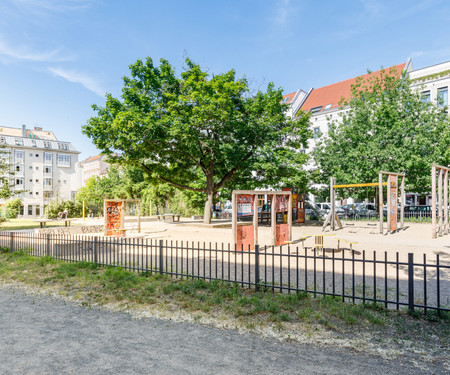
(346, 241)
(43, 222)
(174, 217)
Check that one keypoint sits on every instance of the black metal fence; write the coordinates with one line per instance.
(348, 274)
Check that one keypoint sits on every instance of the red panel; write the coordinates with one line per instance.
(114, 219)
(245, 237)
(281, 234)
(393, 198)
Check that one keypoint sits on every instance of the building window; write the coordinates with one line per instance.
(48, 158)
(48, 169)
(37, 193)
(63, 160)
(37, 180)
(18, 141)
(2, 140)
(21, 210)
(63, 146)
(19, 169)
(425, 97)
(48, 194)
(30, 210)
(328, 106)
(47, 182)
(19, 181)
(19, 155)
(38, 210)
(316, 133)
(30, 155)
(47, 144)
(33, 143)
(30, 167)
(315, 109)
(442, 96)
(37, 168)
(37, 155)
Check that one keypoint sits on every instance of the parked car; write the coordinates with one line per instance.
(418, 211)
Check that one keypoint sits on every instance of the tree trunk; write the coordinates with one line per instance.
(208, 207)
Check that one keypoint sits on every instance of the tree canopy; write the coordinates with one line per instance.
(200, 132)
(388, 127)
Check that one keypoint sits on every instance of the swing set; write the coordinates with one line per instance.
(333, 220)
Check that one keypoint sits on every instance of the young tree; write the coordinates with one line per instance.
(388, 127)
(198, 132)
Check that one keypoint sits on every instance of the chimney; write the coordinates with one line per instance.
(24, 131)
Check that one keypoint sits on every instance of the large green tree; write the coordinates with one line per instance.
(388, 127)
(199, 132)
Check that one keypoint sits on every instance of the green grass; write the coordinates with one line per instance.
(220, 300)
(17, 224)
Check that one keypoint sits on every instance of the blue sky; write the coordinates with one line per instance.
(58, 57)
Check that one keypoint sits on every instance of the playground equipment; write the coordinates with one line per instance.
(392, 194)
(114, 214)
(245, 203)
(441, 209)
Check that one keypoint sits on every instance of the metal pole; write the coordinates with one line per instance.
(411, 281)
(289, 216)
(161, 269)
(273, 215)
(256, 267)
(47, 245)
(94, 250)
(234, 217)
(433, 201)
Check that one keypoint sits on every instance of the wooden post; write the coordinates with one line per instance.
(446, 224)
(104, 216)
(234, 217)
(402, 203)
(439, 201)
(255, 219)
(273, 217)
(332, 204)
(380, 200)
(388, 197)
(289, 216)
(433, 201)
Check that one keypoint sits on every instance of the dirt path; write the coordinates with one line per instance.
(45, 335)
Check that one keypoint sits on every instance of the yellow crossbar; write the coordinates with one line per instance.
(359, 185)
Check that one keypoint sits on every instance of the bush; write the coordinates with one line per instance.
(12, 208)
(54, 207)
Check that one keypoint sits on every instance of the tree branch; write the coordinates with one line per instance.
(233, 171)
(171, 182)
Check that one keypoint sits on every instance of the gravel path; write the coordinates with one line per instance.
(45, 335)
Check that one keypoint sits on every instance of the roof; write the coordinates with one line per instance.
(288, 98)
(329, 97)
(92, 158)
(32, 134)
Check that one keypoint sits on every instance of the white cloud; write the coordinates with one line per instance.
(282, 13)
(23, 52)
(59, 6)
(76, 77)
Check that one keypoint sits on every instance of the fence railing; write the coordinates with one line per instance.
(351, 275)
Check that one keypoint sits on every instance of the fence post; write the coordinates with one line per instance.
(161, 269)
(256, 267)
(94, 250)
(411, 281)
(47, 244)
(12, 241)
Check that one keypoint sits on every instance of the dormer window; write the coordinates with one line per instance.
(328, 106)
(315, 109)
(18, 141)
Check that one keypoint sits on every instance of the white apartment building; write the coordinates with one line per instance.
(94, 166)
(294, 100)
(433, 81)
(324, 103)
(43, 168)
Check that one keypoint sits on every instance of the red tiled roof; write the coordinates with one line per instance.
(290, 97)
(92, 158)
(333, 94)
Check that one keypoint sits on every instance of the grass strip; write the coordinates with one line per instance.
(93, 285)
